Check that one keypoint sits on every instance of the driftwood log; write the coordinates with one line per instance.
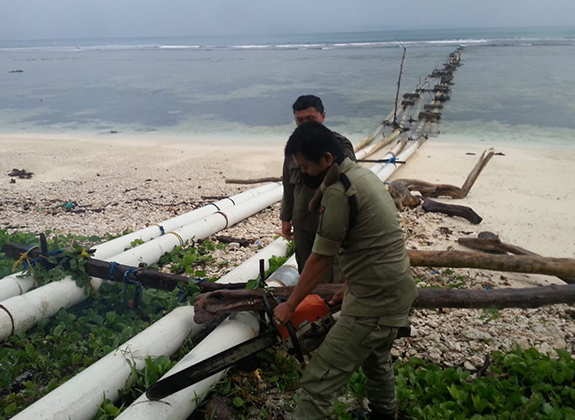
(490, 242)
(209, 306)
(253, 181)
(510, 263)
(402, 196)
(229, 239)
(400, 189)
(451, 210)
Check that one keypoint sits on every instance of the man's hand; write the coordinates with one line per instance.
(287, 231)
(284, 312)
(337, 297)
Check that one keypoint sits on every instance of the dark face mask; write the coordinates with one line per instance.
(314, 182)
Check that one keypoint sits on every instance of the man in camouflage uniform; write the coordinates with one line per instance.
(297, 222)
(360, 224)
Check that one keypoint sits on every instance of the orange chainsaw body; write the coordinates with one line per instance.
(311, 321)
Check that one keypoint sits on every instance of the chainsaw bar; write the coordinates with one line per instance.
(210, 366)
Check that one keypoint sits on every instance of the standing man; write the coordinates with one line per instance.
(298, 223)
(359, 223)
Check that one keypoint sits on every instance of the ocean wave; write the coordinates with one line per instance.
(498, 42)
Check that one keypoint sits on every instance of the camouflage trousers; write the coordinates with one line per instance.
(352, 342)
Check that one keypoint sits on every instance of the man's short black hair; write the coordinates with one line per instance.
(308, 101)
(312, 140)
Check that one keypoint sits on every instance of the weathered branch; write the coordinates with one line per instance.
(451, 210)
(253, 181)
(472, 177)
(400, 189)
(510, 263)
(101, 269)
(209, 306)
(490, 242)
(401, 195)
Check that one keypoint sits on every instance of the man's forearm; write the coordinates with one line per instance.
(312, 275)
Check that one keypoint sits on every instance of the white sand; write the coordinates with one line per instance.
(527, 197)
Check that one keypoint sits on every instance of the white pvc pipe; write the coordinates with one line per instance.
(392, 153)
(230, 333)
(389, 169)
(80, 397)
(179, 405)
(153, 250)
(18, 284)
(22, 312)
(246, 270)
(118, 245)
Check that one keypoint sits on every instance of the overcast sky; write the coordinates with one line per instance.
(44, 19)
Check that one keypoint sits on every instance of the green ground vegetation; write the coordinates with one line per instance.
(518, 385)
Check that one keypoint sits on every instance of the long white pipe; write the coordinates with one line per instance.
(231, 332)
(362, 151)
(18, 284)
(22, 312)
(115, 246)
(153, 250)
(80, 397)
(179, 405)
(388, 169)
(246, 270)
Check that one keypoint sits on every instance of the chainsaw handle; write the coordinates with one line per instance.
(289, 327)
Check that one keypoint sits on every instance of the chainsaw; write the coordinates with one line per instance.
(305, 332)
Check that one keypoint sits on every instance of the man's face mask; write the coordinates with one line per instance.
(313, 173)
(314, 181)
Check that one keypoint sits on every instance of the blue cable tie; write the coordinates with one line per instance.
(385, 183)
(163, 232)
(128, 281)
(127, 275)
(113, 266)
(199, 279)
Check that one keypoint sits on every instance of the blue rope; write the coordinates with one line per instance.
(128, 280)
(163, 232)
(113, 266)
(36, 260)
(180, 296)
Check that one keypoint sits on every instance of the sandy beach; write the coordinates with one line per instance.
(119, 184)
(525, 195)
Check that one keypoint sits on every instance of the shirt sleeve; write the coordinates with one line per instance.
(347, 147)
(288, 195)
(333, 223)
